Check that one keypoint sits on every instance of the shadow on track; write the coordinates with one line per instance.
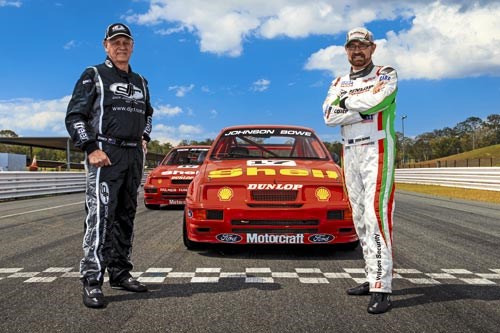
(445, 293)
(189, 289)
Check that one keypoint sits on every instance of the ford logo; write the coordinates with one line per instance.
(321, 238)
(229, 238)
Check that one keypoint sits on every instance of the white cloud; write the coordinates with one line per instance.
(166, 110)
(446, 38)
(206, 89)
(222, 26)
(5, 3)
(69, 45)
(174, 135)
(181, 91)
(32, 116)
(260, 85)
(434, 47)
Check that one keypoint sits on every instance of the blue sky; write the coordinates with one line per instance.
(217, 63)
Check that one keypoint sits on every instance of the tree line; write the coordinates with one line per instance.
(470, 134)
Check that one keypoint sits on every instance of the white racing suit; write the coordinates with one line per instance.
(363, 104)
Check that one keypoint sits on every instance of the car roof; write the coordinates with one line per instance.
(192, 146)
(266, 126)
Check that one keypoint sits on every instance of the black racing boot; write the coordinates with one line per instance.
(362, 289)
(129, 284)
(92, 294)
(379, 303)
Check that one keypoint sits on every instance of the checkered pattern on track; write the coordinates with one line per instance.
(158, 275)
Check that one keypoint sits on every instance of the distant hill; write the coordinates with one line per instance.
(486, 156)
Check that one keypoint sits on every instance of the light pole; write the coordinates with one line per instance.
(403, 140)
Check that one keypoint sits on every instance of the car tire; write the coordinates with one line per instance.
(190, 245)
(150, 206)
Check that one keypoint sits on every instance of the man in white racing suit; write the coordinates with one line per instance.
(363, 104)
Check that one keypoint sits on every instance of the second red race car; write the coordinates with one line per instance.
(268, 184)
(167, 184)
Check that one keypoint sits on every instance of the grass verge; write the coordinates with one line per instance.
(452, 192)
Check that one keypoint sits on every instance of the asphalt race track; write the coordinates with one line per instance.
(447, 275)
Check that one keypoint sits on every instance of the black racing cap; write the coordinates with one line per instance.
(117, 29)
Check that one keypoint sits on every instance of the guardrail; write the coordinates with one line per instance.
(20, 184)
(487, 178)
(28, 184)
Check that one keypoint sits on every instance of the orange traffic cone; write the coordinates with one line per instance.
(33, 166)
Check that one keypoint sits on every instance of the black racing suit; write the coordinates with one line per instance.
(110, 110)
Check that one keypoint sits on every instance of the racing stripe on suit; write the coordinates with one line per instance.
(363, 104)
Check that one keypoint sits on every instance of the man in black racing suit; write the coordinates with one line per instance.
(109, 117)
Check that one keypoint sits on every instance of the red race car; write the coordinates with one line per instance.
(268, 184)
(167, 184)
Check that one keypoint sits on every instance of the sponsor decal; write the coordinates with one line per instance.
(80, 128)
(178, 172)
(295, 132)
(321, 238)
(176, 202)
(191, 166)
(253, 171)
(384, 78)
(263, 131)
(378, 255)
(104, 193)
(339, 111)
(378, 87)
(274, 186)
(126, 90)
(271, 162)
(192, 149)
(229, 238)
(225, 194)
(118, 27)
(378, 284)
(322, 194)
(173, 190)
(346, 84)
(360, 90)
(183, 177)
(250, 132)
(275, 239)
(190, 213)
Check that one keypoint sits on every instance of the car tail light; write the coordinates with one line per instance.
(150, 190)
(199, 214)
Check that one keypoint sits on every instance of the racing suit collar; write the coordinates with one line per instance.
(111, 64)
(364, 72)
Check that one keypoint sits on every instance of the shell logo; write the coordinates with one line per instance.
(225, 194)
(159, 181)
(322, 194)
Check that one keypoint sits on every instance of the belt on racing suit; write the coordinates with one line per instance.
(365, 140)
(118, 142)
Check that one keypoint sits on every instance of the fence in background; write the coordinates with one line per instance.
(474, 178)
(28, 184)
(462, 163)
